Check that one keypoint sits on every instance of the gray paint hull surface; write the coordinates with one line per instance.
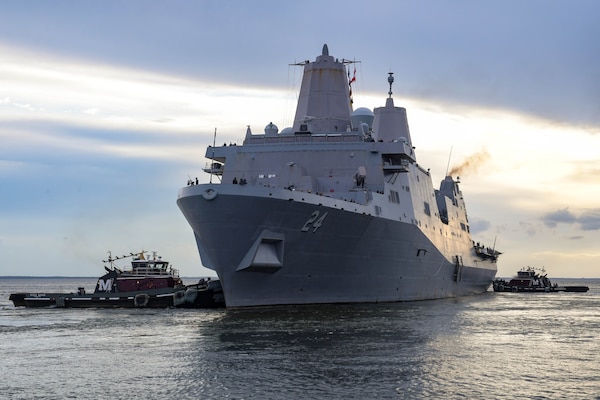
(350, 257)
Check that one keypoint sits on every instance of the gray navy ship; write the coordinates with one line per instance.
(335, 209)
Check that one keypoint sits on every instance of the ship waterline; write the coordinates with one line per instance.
(333, 210)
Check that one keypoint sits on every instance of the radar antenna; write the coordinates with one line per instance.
(390, 81)
(111, 258)
(449, 158)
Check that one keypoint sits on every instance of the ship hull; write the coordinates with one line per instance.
(267, 251)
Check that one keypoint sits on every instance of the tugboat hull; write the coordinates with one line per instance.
(194, 296)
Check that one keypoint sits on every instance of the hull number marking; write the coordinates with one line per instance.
(314, 222)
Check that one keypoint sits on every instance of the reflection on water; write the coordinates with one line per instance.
(310, 351)
(503, 346)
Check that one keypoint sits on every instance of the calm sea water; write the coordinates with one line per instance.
(493, 346)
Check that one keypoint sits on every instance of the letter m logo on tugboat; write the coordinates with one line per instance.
(104, 286)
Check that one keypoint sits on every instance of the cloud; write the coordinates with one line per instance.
(563, 216)
(589, 220)
(473, 53)
(587, 171)
(528, 227)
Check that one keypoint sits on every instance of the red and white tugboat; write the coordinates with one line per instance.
(148, 282)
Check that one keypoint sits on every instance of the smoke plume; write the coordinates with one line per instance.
(471, 164)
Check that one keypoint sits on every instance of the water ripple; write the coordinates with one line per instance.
(502, 346)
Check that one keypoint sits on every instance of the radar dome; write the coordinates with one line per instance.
(362, 115)
(271, 129)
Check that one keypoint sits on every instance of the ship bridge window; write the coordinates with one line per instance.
(394, 197)
(393, 159)
(427, 209)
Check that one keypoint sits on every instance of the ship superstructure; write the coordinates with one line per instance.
(335, 209)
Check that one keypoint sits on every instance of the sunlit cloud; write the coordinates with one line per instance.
(105, 96)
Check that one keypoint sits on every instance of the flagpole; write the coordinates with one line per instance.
(350, 84)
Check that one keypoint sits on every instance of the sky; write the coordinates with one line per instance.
(106, 109)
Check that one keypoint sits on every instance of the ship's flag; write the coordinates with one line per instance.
(350, 80)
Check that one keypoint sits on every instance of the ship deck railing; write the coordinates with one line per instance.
(304, 138)
(152, 271)
(213, 168)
